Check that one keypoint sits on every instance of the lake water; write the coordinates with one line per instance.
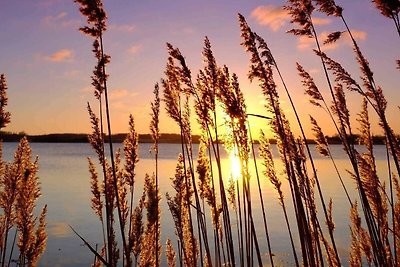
(65, 188)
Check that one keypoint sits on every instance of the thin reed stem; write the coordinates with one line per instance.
(110, 142)
(241, 239)
(214, 203)
(392, 205)
(109, 226)
(373, 230)
(261, 198)
(12, 247)
(310, 158)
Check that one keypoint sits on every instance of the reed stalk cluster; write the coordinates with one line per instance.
(213, 215)
(22, 234)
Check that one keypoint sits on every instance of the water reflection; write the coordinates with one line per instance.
(65, 188)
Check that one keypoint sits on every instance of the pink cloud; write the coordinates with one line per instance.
(48, 3)
(63, 55)
(314, 71)
(72, 73)
(122, 99)
(122, 27)
(358, 35)
(275, 17)
(305, 43)
(60, 20)
(134, 49)
(121, 93)
(272, 16)
(321, 21)
(183, 31)
(87, 89)
(188, 30)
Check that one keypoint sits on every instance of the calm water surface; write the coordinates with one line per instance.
(65, 188)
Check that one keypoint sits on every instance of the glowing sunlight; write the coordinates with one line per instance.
(236, 170)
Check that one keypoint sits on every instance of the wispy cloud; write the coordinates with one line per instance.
(272, 16)
(314, 71)
(188, 30)
(122, 99)
(305, 43)
(57, 17)
(86, 90)
(48, 3)
(134, 49)
(60, 20)
(122, 27)
(275, 17)
(358, 35)
(121, 93)
(321, 21)
(183, 31)
(72, 73)
(63, 55)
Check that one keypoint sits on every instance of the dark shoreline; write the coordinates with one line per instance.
(143, 138)
(83, 138)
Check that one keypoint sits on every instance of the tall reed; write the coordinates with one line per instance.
(375, 98)
(199, 183)
(96, 19)
(389, 9)
(118, 182)
(290, 153)
(19, 191)
(155, 134)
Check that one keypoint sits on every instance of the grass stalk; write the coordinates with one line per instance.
(109, 226)
(392, 207)
(314, 170)
(261, 198)
(12, 247)
(6, 229)
(126, 251)
(214, 203)
(188, 201)
(154, 128)
(377, 243)
(263, 72)
(241, 239)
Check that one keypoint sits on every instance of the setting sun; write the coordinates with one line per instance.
(236, 170)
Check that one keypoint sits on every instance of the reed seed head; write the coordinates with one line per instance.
(388, 8)
(300, 11)
(4, 115)
(329, 7)
(131, 153)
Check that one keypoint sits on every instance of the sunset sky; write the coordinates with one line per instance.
(48, 62)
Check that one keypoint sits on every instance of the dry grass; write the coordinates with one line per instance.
(199, 183)
(19, 190)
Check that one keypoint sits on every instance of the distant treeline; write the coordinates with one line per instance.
(143, 138)
(83, 138)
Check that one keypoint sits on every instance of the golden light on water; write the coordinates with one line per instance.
(236, 170)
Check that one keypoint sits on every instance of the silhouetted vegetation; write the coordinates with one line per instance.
(213, 215)
(146, 138)
(231, 229)
(83, 138)
(23, 235)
